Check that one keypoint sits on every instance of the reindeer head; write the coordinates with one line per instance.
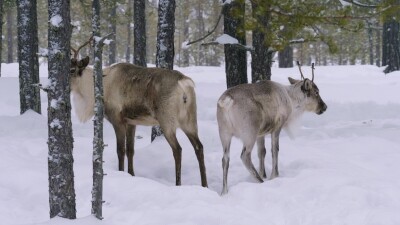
(77, 66)
(314, 102)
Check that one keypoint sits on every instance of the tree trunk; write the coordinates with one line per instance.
(185, 21)
(1, 31)
(201, 30)
(10, 36)
(286, 57)
(98, 144)
(235, 58)
(261, 57)
(378, 47)
(370, 44)
(129, 31)
(27, 56)
(112, 27)
(165, 42)
(391, 46)
(60, 142)
(139, 30)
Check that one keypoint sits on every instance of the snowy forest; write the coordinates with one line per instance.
(134, 111)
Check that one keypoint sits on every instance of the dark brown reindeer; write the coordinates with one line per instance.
(136, 95)
(250, 111)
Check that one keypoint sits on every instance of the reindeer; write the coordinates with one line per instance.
(250, 111)
(136, 95)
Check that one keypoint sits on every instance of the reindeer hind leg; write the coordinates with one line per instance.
(246, 159)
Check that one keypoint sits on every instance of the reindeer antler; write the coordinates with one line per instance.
(312, 69)
(76, 52)
(301, 73)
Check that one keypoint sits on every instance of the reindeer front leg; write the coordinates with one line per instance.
(275, 151)
(120, 133)
(130, 145)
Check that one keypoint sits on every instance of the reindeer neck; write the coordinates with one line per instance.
(83, 94)
(297, 97)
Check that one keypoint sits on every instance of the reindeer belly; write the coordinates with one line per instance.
(139, 115)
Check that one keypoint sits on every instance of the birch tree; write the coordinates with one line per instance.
(165, 42)
(60, 141)
(27, 56)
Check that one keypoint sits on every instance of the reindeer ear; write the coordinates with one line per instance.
(73, 62)
(292, 81)
(307, 84)
(84, 62)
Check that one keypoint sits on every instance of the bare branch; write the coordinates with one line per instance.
(100, 41)
(360, 4)
(210, 32)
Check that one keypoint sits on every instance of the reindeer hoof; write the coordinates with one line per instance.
(273, 175)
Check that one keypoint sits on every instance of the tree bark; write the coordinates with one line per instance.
(200, 33)
(165, 43)
(378, 47)
(27, 56)
(129, 32)
(10, 36)
(370, 44)
(286, 57)
(112, 27)
(139, 30)
(185, 49)
(98, 144)
(1, 31)
(391, 46)
(235, 58)
(60, 142)
(261, 57)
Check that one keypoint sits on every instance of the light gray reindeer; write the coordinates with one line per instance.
(250, 111)
(136, 95)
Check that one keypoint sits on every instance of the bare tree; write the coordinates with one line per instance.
(98, 144)
(112, 28)
(165, 42)
(60, 142)
(235, 58)
(129, 32)
(1, 30)
(139, 30)
(27, 56)
(10, 36)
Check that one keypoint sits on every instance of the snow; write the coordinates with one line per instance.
(226, 39)
(342, 167)
(56, 20)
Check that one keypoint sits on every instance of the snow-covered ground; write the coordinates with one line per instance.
(343, 167)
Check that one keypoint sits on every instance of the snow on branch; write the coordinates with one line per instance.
(226, 39)
(56, 20)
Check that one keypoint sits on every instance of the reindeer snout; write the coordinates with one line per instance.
(322, 108)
